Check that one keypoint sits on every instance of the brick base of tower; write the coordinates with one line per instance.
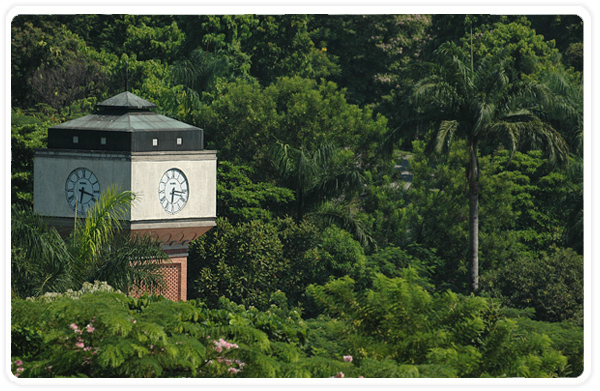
(175, 273)
(175, 242)
(175, 278)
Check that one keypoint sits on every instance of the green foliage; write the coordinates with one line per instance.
(395, 329)
(552, 284)
(281, 46)
(40, 258)
(51, 65)
(255, 82)
(315, 176)
(249, 262)
(43, 261)
(566, 337)
(245, 120)
(106, 334)
(391, 262)
(437, 212)
(240, 199)
(149, 42)
(337, 255)
(110, 335)
(440, 335)
(241, 262)
(24, 139)
(528, 199)
(531, 54)
(372, 52)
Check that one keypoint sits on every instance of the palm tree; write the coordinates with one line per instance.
(40, 259)
(96, 250)
(320, 185)
(483, 106)
(197, 73)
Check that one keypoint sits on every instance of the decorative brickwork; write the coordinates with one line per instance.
(175, 277)
(172, 276)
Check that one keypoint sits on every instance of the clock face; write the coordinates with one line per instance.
(82, 190)
(173, 190)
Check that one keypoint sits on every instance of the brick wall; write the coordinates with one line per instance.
(175, 277)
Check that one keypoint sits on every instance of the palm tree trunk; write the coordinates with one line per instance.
(473, 177)
(474, 232)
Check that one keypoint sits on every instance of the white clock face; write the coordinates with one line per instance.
(173, 190)
(82, 190)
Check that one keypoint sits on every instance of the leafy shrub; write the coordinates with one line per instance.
(426, 335)
(248, 262)
(566, 337)
(551, 284)
(102, 333)
(240, 199)
(337, 255)
(240, 262)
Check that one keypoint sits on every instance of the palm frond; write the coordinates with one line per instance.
(444, 135)
(40, 260)
(135, 262)
(330, 213)
(523, 130)
(324, 154)
(279, 154)
(103, 222)
(434, 92)
(485, 113)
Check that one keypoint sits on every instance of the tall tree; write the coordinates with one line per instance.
(481, 104)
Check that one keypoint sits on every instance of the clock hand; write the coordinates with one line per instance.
(82, 191)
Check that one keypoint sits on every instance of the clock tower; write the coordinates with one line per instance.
(160, 159)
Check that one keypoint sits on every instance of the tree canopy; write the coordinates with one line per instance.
(397, 196)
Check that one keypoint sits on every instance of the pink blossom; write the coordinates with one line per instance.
(80, 345)
(18, 363)
(74, 326)
(222, 344)
(134, 321)
(233, 370)
(89, 328)
(20, 369)
(348, 358)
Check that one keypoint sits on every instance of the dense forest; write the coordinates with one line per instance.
(397, 196)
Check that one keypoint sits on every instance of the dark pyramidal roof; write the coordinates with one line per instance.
(125, 122)
(127, 100)
(125, 112)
